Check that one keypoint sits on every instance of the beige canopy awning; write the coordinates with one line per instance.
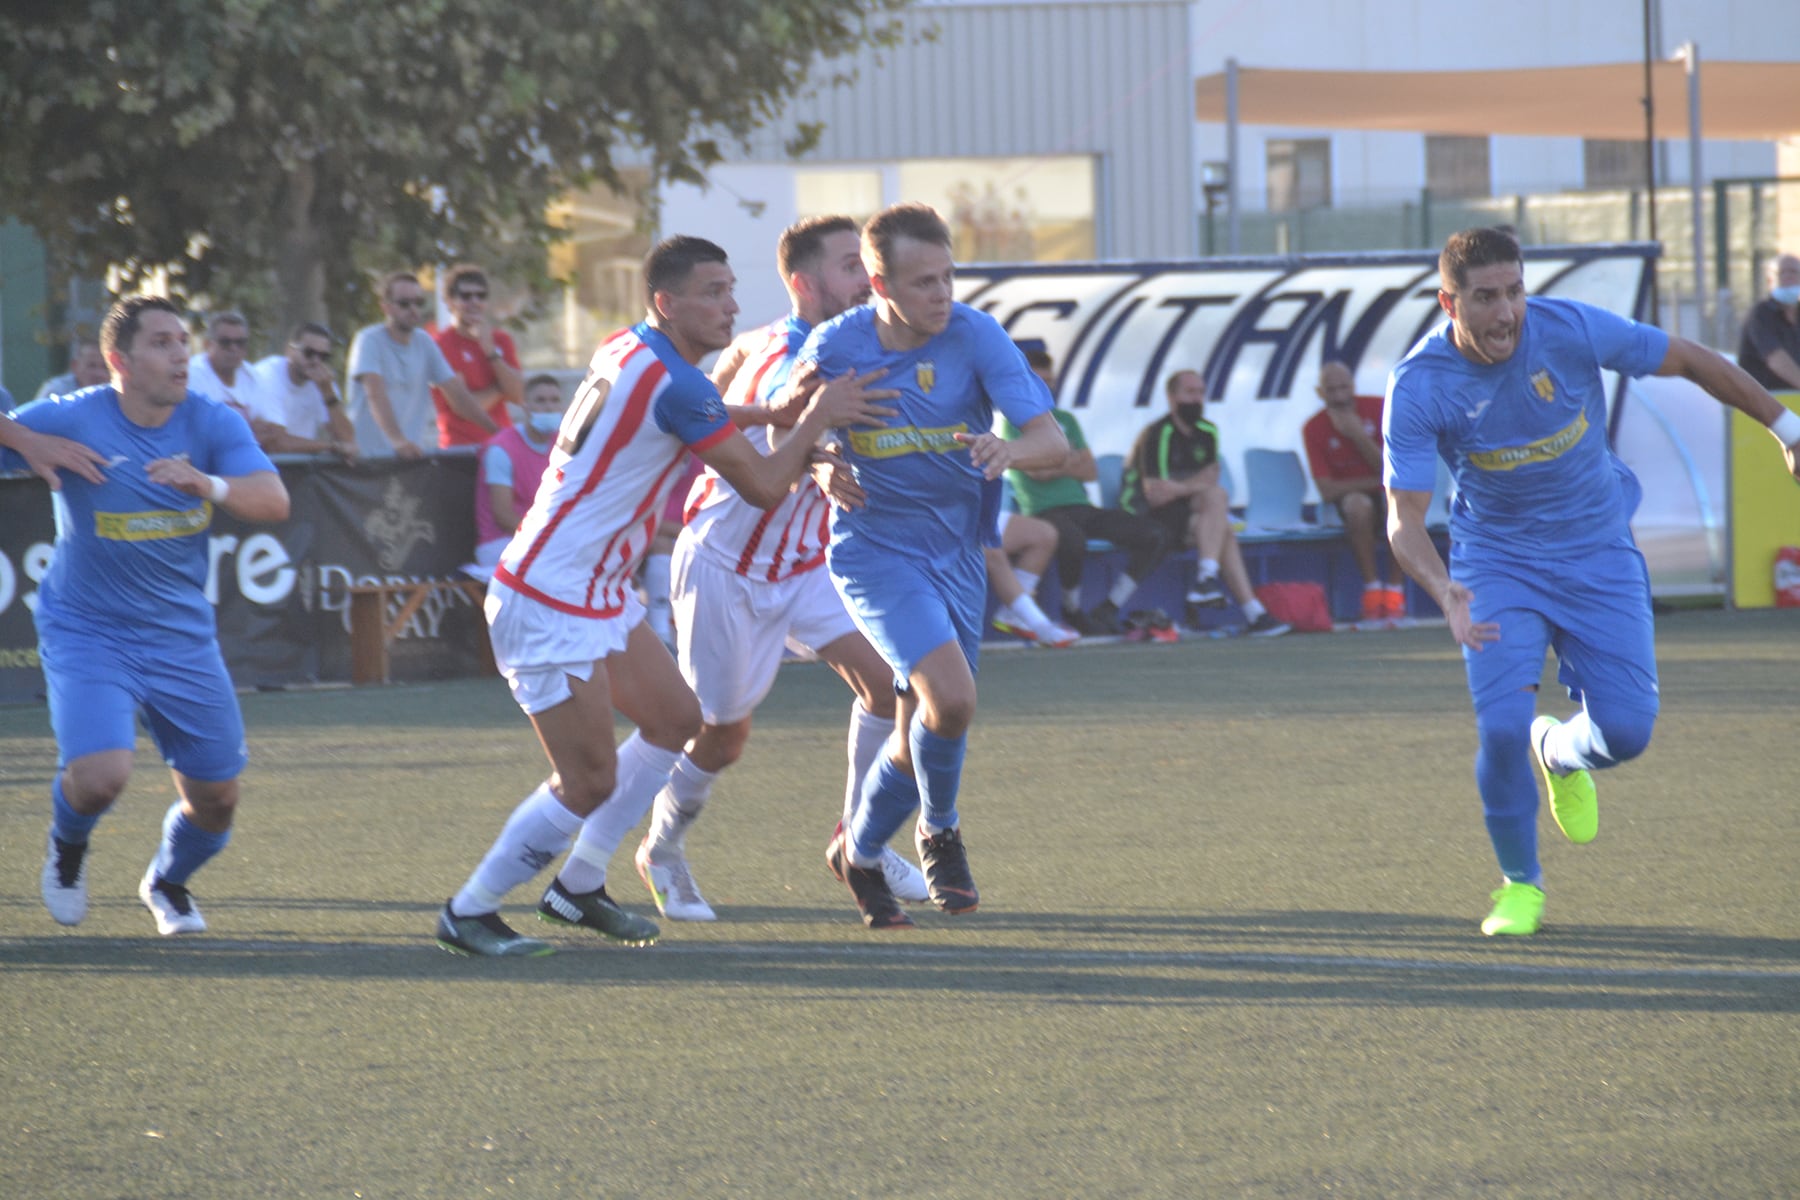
(1742, 101)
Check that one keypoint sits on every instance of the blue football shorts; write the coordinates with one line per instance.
(1594, 612)
(99, 688)
(908, 608)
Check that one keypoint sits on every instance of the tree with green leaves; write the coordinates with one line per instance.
(276, 153)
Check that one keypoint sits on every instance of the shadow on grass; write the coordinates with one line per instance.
(1285, 958)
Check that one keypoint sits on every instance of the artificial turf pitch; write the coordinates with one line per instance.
(1227, 946)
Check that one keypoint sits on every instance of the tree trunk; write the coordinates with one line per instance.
(299, 270)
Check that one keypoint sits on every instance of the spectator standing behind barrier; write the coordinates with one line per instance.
(221, 373)
(87, 367)
(299, 386)
(1172, 477)
(1058, 495)
(392, 369)
(1343, 450)
(484, 356)
(1770, 346)
(512, 465)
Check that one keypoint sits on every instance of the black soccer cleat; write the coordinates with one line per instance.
(946, 866)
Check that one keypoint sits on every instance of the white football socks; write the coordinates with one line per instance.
(643, 770)
(538, 830)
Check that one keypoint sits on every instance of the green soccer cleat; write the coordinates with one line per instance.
(1572, 800)
(595, 910)
(1518, 909)
(486, 936)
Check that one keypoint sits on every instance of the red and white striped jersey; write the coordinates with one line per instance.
(615, 461)
(764, 544)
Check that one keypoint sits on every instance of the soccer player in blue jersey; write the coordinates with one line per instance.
(908, 562)
(1509, 393)
(124, 626)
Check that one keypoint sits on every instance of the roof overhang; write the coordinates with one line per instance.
(1739, 101)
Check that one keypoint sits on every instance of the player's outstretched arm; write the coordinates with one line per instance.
(258, 496)
(46, 454)
(763, 481)
(1730, 384)
(1413, 549)
(1040, 444)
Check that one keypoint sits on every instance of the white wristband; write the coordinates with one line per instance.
(1786, 427)
(220, 489)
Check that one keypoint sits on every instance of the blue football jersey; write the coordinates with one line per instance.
(1525, 439)
(131, 555)
(924, 493)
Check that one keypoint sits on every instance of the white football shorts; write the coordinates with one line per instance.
(537, 648)
(730, 631)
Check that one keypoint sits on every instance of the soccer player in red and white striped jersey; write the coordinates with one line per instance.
(566, 626)
(749, 581)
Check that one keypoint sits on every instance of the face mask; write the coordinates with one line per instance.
(1786, 295)
(1189, 413)
(544, 423)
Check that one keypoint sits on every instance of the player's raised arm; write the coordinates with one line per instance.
(1731, 385)
(763, 481)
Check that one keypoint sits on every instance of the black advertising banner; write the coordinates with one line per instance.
(280, 591)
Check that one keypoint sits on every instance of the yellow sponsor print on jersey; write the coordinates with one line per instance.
(926, 374)
(153, 526)
(906, 439)
(1542, 450)
(1544, 386)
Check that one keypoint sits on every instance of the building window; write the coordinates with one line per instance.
(1456, 168)
(1299, 171)
(1612, 164)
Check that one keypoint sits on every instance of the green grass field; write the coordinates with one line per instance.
(1227, 947)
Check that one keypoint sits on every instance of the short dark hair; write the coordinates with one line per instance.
(461, 273)
(1471, 248)
(306, 327)
(673, 259)
(802, 242)
(120, 327)
(544, 377)
(1169, 383)
(387, 282)
(919, 222)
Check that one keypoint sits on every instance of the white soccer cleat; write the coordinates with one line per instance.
(905, 880)
(65, 881)
(665, 872)
(171, 905)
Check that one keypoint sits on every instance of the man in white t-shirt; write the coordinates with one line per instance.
(300, 388)
(393, 367)
(220, 372)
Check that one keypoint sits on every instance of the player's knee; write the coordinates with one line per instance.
(1623, 735)
(675, 726)
(92, 784)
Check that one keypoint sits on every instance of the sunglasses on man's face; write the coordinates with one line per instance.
(237, 343)
(408, 302)
(312, 355)
(472, 294)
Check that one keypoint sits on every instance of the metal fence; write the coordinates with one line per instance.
(1743, 220)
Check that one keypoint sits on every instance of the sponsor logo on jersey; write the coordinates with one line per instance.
(926, 374)
(1545, 388)
(906, 439)
(1542, 450)
(152, 526)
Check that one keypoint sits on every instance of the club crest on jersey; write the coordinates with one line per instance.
(926, 374)
(1545, 388)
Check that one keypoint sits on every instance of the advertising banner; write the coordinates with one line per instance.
(1256, 329)
(280, 590)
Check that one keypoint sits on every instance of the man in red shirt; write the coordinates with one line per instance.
(484, 356)
(1343, 446)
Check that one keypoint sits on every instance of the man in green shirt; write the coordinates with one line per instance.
(1172, 478)
(1058, 494)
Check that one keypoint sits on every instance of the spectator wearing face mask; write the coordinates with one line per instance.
(1770, 347)
(512, 465)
